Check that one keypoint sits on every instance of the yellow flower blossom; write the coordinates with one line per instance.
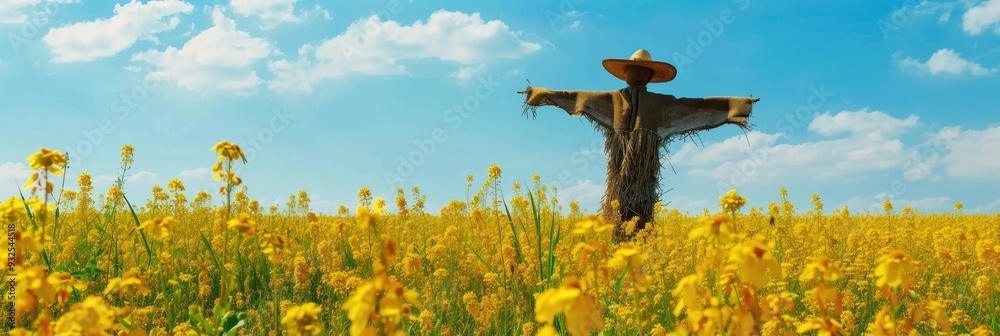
(715, 229)
(731, 201)
(159, 228)
(894, 270)
(273, 246)
(243, 224)
(12, 209)
(229, 151)
(128, 283)
(303, 320)
(51, 161)
(628, 254)
(91, 317)
(591, 222)
(581, 310)
(754, 261)
(823, 327)
(367, 219)
(821, 269)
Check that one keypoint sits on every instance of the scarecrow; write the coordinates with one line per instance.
(636, 124)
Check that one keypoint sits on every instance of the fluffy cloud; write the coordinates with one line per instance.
(874, 204)
(12, 11)
(870, 144)
(466, 74)
(11, 174)
(971, 153)
(992, 207)
(695, 206)
(983, 16)
(87, 41)
(136, 183)
(873, 124)
(587, 193)
(196, 173)
(273, 13)
(219, 58)
(374, 47)
(946, 62)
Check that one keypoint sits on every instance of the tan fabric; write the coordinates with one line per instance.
(667, 115)
(636, 124)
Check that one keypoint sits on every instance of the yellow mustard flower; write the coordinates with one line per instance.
(159, 228)
(91, 317)
(243, 223)
(273, 246)
(303, 320)
(367, 219)
(755, 261)
(591, 222)
(823, 327)
(821, 269)
(51, 161)
(128, 283)
(360, 306)
(12, 209)
(229, 151)
(893, 269)
(715, 229)
(629, 254)
(731, 201)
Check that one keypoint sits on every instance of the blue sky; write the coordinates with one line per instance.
(861, 100)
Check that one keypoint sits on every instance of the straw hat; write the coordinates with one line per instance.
(662, 72)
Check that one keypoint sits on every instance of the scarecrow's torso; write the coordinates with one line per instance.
(639, 109)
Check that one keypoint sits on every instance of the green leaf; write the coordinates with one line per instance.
(208, 246)
(538, 232)
(233, 322)
(517, 241)
(149, 252)
(31, 216)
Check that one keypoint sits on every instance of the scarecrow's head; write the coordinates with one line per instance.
(640, 69)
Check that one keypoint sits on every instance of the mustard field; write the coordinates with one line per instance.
(520, 262)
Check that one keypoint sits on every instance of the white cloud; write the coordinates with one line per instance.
(929, 204)
(13, 11)
(12, 176)
(141, 176)
(686, 203)
(86, 41)
(734, 148)
(316, 11)
(971, 153)
(465, 75)
(873, 124)
(374, 47)
(586, 193)
(219, 58)
(573, 17)
(926, 8)
(863, 149)
(993, 207)
(196, 173)
(946, 62)
(873, 204)
(984, 16)
(272, 13)
(513, 72)
(138, 183)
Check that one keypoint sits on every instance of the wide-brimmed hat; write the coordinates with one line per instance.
(662, 72)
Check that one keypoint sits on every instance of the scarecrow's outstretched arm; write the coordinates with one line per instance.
(685, 115)
(597, 106)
